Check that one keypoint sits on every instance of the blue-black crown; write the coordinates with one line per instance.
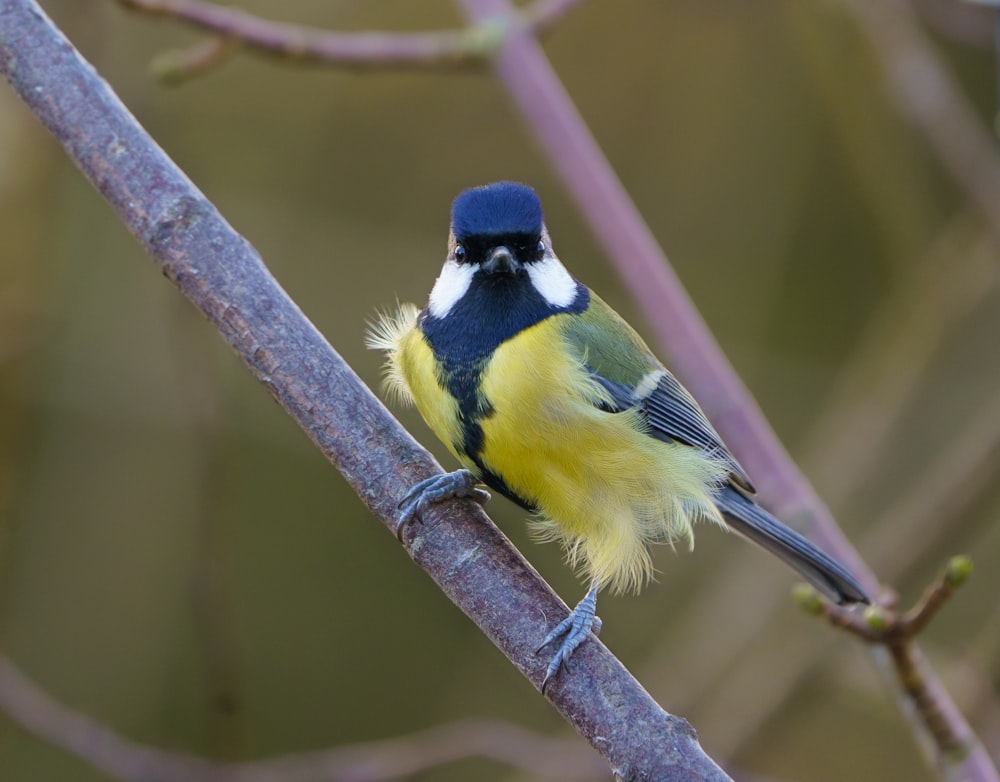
(502, 208)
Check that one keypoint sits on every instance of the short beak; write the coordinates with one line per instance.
(501, 261)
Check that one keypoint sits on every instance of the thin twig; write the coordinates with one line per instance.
(218, 270)
(362, 50)
(177, 66)
(377, 761)
(201, 394)
(897, 632)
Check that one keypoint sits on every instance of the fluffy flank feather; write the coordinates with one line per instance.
(603, 487)
(614, 548)
(385, 333)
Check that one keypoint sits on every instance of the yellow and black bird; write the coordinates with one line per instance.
(546, 395)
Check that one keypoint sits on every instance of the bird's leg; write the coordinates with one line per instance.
(574, 629)
(449, 485)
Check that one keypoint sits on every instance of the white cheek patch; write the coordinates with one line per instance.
(551, 279)
(452, 284)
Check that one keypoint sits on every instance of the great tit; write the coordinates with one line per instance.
(546, 395)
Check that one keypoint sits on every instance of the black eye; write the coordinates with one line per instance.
(459, 253)
(540, 250)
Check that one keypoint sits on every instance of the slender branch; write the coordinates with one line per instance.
(177, 66)
(896, 632)
(218, 270)
(543, 102)
(368, 50)
(377, 761)
(914, 621)
(202, 395)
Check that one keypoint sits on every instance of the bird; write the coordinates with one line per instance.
(544, 394)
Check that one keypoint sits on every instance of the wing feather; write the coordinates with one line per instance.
(620, 361)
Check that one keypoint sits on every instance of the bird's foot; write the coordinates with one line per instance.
(460, 483)
(573, 630)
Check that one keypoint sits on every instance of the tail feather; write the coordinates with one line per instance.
(744, 516)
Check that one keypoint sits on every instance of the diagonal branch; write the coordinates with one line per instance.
(225, 278)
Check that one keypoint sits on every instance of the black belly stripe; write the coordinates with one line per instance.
(497, 483)
(492, 311)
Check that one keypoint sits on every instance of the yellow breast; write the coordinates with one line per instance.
(604, 487)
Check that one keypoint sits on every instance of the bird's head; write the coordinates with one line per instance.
(498, 239)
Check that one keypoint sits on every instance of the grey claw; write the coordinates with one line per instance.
(574, 630)
(437, 488)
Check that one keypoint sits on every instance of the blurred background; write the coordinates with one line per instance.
(179, 563)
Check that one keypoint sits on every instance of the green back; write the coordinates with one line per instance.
(610, 346)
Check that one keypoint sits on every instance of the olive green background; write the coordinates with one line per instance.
(178, 562)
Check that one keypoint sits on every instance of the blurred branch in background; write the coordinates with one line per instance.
(377, 761)
(877, 386)
(225, 278)
(212, 602)
(377, 50)
(942, 494)
(926, 92)
(959, 21)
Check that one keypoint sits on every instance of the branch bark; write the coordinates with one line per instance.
(225, 278)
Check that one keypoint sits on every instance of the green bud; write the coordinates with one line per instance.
(875, 617)
(808, 599)
(958, 570)
(485, 39)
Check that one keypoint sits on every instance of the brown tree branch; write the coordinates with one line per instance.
(376, 761)
(224, 277)
(368, 50)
